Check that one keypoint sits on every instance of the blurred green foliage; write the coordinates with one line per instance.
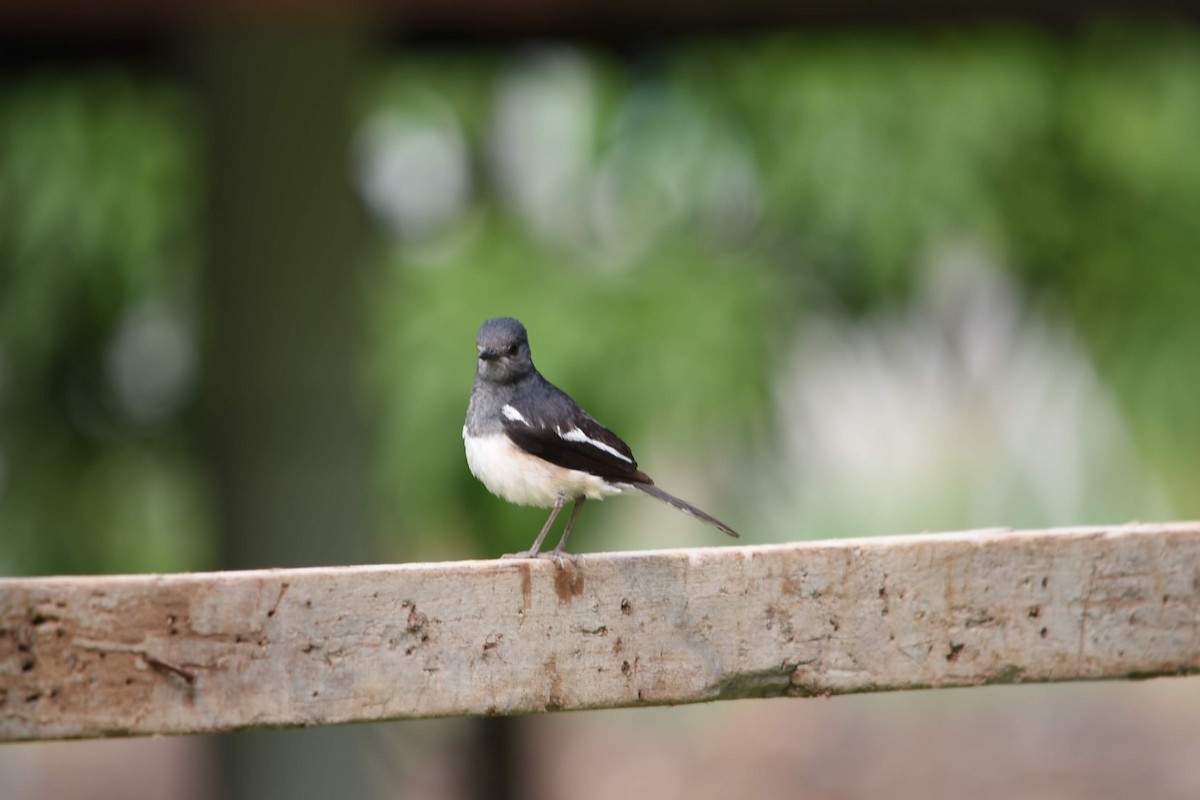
(699, 203)
(663, 224)
(1104, 221)
(98, 242)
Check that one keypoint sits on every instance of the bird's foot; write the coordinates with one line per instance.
(559, 557)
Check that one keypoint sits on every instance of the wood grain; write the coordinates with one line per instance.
(200, 653)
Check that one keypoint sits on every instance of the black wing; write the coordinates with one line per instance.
(546, 423)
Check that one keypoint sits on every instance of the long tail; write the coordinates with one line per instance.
(685, 507)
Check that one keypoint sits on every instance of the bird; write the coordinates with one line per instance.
(528, 442)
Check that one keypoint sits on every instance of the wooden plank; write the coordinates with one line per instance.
(198, 653)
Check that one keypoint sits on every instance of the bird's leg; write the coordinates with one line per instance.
(560, 551)
(533, 551)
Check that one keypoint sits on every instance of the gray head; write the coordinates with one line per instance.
(503, 349)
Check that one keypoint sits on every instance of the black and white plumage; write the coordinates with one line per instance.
(531, 444)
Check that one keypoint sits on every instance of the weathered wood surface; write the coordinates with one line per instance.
(191, 653)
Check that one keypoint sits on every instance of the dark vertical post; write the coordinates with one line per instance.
(281, 426)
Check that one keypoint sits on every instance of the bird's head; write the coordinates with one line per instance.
(503, 347)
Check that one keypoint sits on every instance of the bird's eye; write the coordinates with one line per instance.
(512, 349)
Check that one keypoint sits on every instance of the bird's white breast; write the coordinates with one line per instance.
(509, 472)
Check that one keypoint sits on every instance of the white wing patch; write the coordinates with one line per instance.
(516, 416)
(576, 435)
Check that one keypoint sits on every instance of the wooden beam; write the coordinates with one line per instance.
(487, 19)
(199, 653)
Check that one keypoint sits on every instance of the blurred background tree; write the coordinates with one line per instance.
(99, 185)
(838, 282)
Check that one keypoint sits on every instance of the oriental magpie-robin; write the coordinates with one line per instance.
(528, 442)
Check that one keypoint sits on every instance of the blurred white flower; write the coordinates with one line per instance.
(671, 164)
(610, 191)
(963, 410)
(543, 140)
(151, 361)
(414, 173)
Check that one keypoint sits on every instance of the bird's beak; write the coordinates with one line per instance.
(488, 355)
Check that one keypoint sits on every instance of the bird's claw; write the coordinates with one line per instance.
(559, 557)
